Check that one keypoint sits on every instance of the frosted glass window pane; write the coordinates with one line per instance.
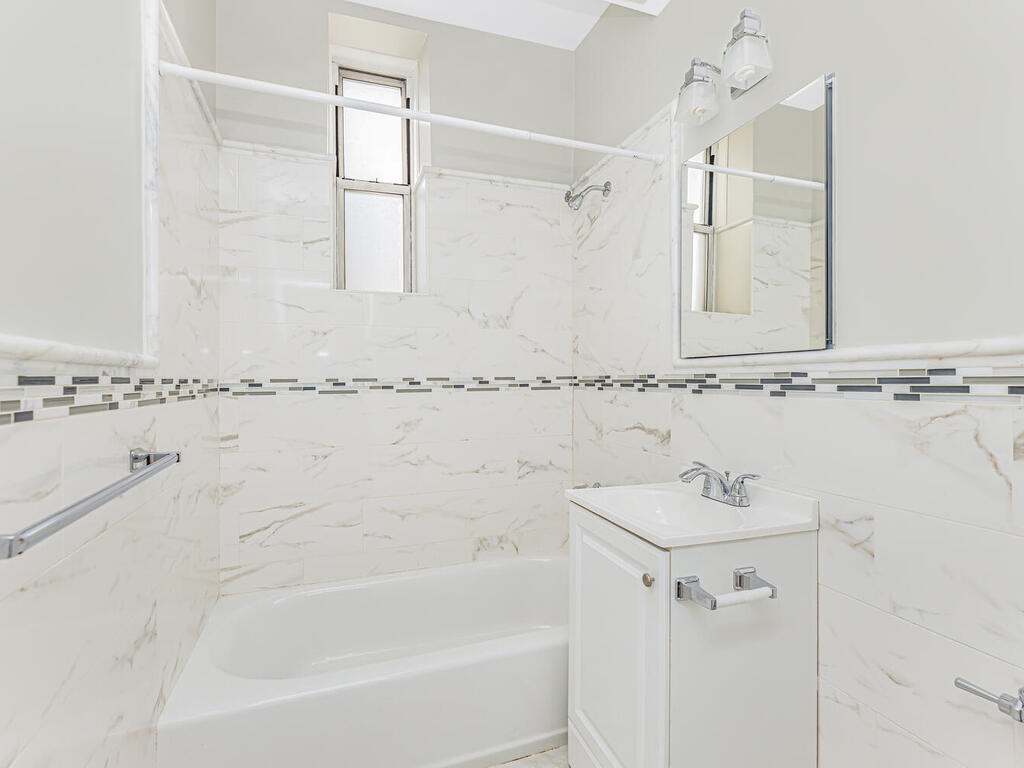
(374, 241)
(373, 143)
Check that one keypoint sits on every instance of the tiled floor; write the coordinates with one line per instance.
(555, 758)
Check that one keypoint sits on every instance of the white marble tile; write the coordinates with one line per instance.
(905, 673)
(377, 562)
(293, 186)
(954, 579)
(852, 735)
(304, 423)
(298, 530)
(622, 438)
(846, 731)
(249, 577)
(459, 415)
(543, 459)
(426, 467)
(945, 460)
(622, 304)
(640, 423)
(897, 746)
(376, 468)
(848, 543)
(294, 296)
(251, 239)
(318, 244)
(516, 516)
(743, 434)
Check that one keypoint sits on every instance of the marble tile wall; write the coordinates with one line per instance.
(320, 488)
(349, 482)
(99, 620)
(922, 493)
(622, 269)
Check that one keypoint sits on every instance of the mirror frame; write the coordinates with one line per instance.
(682, 249)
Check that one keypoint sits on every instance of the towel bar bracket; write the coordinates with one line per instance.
(141, 465)
(748, 587)
(138, 458)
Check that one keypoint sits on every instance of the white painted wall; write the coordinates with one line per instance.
(928, 166)
(472, 74)
(71, 200)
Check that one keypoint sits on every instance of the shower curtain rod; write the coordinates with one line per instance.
(169, 69)
(788, 180)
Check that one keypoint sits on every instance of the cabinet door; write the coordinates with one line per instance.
(618, 647)
(744, 678)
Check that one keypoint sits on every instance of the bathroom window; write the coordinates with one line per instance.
(699, 191)
(374, 189)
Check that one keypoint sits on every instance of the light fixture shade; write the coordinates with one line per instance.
(698, 102)
(746, 62)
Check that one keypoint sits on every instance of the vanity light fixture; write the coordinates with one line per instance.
(746, 60)
(698, 98)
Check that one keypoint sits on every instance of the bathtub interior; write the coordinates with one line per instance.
(471, 660)
(314, 631)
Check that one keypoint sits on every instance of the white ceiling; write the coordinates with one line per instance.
(560, 23)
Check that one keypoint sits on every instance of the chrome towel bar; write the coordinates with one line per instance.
(142, 465)
(1010, 705)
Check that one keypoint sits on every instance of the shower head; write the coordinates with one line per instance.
(576, 201)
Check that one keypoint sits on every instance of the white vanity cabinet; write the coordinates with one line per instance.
(658, 682)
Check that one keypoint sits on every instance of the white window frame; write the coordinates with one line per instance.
(706, 228)
(346, 184)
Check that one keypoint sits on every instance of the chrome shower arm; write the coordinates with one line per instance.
(576, 200)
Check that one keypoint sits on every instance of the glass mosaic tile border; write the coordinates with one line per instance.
(28, 398)
(25, 399)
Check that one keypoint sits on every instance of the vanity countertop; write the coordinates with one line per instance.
(675, 514)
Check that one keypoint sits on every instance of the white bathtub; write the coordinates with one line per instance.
(450, 667)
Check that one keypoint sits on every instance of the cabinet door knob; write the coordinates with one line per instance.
(648, 580)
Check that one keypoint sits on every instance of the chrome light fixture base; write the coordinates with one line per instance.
(746, 60)
(698, 97)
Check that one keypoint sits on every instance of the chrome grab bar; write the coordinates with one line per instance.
(747, 585)
(1009, 705)
(141, 464)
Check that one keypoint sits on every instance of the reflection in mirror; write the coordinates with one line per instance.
(756, 271)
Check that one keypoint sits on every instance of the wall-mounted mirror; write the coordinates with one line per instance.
(757, 266)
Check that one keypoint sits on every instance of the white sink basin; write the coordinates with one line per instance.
(676, 515)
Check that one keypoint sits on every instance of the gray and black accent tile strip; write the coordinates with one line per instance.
(29, 398)
(26, 399)
(977, 384)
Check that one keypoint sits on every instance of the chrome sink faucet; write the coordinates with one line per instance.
(719, 487)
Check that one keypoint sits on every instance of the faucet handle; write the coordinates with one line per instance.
(737, 490)
(737, 482)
